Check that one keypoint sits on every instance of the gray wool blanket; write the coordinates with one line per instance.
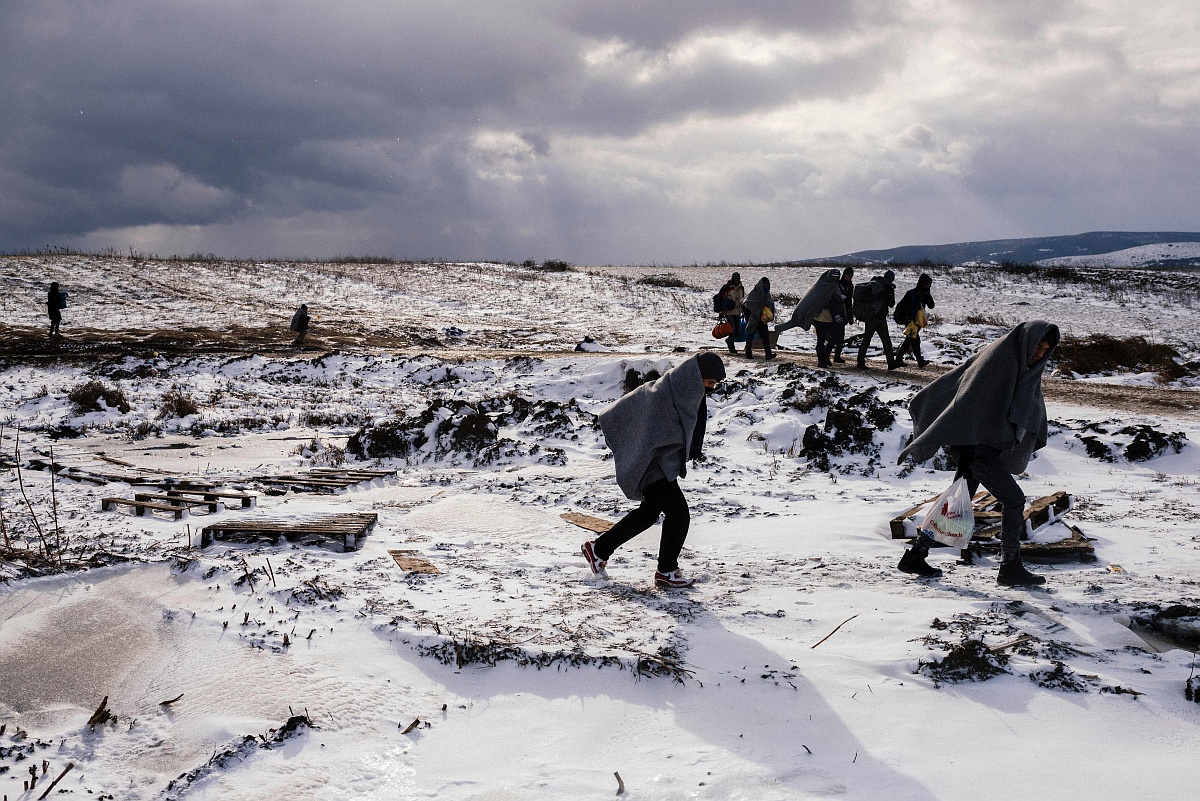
(650, 430)
(814, 301)
(993, 398)
(758, 299)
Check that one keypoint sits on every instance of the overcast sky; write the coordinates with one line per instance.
(614, 131)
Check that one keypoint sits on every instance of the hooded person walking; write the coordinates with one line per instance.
(910, 313)
(653, 431)
(759, 308)
(823, 308)
(54, 304)
(872, 309)
(299, 324)
(847, 287)
(990, 416)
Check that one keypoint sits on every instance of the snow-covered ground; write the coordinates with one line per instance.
(1132, 257)
(530, 679)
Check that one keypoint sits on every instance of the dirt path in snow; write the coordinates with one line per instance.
(22, 345)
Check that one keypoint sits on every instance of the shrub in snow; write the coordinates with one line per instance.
(88, 397)
(970, 660)
(1101, 353)
(176, 402)
(1137, 443)
(851, 420)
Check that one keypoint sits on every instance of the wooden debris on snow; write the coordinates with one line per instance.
(342, 530)
(1039, 515)
(597, 525)
(409, 562)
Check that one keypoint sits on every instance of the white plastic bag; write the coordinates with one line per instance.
(951, 519)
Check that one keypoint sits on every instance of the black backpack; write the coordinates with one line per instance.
(865, 307)
(722, 304)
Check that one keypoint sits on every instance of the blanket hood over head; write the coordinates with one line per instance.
(815, 299)
(993, 398)
(650, 430)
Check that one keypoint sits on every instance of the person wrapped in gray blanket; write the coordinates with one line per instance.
(759, 308)
(653, 431)
(990, 416)
(822, 308)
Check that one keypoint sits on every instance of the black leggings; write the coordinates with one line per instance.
(981, 464)
(663, 497)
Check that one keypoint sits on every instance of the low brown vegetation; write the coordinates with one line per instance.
(1101, 353)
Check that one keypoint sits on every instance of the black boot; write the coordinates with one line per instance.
(914, 562)
(1013, 573)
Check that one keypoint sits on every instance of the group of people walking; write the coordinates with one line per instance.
(988, 414)
(831, 304)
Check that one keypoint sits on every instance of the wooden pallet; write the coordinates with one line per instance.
(322, 480)
(340, 529)
(212, 506)
(142, 507)
(597, 525)
(247, 500)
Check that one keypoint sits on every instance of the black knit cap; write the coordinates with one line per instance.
(711, 366)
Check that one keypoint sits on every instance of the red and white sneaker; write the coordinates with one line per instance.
(673, 580)
(596, 564)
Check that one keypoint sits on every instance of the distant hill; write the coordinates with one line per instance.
(1029, 251)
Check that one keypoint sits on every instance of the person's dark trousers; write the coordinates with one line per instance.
(660, 497)
(981, 464)
(839, 342)
(730, 341)
(55, 320)
(870, 328)
(911, 345)
(764, 335)
(828, 337)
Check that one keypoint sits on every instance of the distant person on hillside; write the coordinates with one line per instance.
(653, 432)
(990, 416)
(729, 299)
(823, 309)
(300, 324)
(871, 303)
(759, 308)
(56, 301)
(910, 313)
(846, 285)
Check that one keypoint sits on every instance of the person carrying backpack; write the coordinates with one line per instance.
(989, 415)
(759, 308)
(910, 313)
(653, 432)
(871, 303)
(728, 303)
(823, 309)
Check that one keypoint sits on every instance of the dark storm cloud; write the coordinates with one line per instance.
(620, 130)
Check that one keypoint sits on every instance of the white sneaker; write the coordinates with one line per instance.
(597, 565)
(673, 580)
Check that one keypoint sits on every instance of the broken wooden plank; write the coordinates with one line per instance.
(409, 562)
(179, 500)
(595, 524)
(248, 500)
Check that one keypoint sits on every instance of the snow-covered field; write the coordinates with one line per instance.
(1132, 257)
(529, 678)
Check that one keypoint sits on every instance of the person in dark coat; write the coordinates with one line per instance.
(300, 324)
(54, 308)
(823, 309)
(734, 292)
(846, 286)
(990, 416)
(910, 313)
(653, 432)
(759, 308)
(882, 298)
